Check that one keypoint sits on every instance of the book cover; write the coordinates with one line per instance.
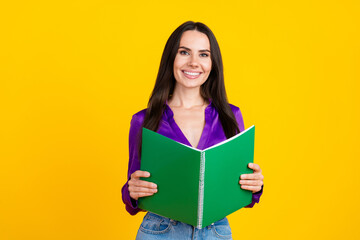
(195, 186)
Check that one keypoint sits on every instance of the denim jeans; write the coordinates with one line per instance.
(158, 227)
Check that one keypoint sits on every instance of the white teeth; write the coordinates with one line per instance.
(193, 74)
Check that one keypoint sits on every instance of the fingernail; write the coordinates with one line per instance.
(250, 164)
(147, 174)
(154, 185)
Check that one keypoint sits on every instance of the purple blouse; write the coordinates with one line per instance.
(212, 134)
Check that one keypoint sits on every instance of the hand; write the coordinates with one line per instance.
(139, 188)
(252, 181)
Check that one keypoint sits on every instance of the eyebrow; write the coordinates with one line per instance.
(203, 50)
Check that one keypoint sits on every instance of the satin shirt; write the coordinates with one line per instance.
(212, 134)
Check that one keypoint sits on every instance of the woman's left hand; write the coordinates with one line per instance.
(252, 181)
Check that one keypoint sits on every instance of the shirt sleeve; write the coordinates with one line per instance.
(131, 205)
(256, 196)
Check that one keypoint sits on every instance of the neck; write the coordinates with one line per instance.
(186, 98)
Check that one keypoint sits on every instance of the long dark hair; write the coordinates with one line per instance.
(213, 87)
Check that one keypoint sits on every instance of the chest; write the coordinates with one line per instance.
(191, 123)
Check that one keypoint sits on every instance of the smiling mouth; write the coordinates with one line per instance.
(191, 75)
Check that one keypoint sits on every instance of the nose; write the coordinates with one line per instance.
(193, 61)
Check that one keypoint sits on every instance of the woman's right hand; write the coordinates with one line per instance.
(139, 188)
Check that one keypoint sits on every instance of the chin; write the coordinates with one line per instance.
(191, 85)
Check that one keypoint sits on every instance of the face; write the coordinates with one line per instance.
(192, 64)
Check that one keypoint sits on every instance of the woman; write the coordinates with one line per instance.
(189, 105)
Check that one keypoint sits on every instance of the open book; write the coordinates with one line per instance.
(197, 187)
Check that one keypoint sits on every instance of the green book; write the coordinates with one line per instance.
(197, 187)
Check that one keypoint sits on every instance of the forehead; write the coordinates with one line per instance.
(195, 40)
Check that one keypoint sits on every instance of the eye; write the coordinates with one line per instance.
(183, 51)
(204, 55)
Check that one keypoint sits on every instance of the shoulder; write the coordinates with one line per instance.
(238, 116)
(138, 117)
(234, 108)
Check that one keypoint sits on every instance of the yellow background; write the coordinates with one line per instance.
(73, 73)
